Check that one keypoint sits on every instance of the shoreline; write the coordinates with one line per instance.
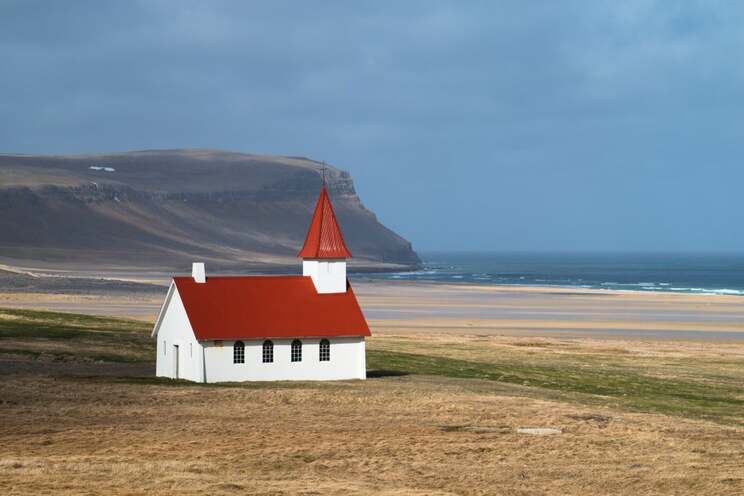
(545, 288)
(39, 276)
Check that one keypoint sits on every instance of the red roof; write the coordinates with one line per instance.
(254, 307)
(324, 238)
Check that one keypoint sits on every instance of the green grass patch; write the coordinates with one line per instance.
(34, 332)
(619, 387)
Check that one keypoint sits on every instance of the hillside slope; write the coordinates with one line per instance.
(166, 208)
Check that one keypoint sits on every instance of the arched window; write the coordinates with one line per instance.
(268, 351)
(238, 352)
(325, 350)
(296, 350)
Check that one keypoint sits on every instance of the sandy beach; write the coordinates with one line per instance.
(550, 311)
(494, 310)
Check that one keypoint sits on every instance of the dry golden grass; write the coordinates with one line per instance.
(71, 425)
(390, 436)
(411, 434)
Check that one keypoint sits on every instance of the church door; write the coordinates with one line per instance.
(175, 361)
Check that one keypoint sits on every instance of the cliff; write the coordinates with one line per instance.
(163, 209)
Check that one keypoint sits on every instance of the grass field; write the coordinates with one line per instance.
(81, 413)
(64, 336)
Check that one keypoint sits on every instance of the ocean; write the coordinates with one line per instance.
(677, 273)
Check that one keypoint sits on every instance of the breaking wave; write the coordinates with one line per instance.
(714, 275)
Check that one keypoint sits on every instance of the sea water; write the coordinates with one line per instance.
(678, 273)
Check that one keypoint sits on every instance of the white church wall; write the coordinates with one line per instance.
(329, 276)
(347, 361)
(179, 354)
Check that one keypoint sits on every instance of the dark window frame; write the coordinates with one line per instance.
(238, 352)
(296, 351)
(267, 351)
(324, 351)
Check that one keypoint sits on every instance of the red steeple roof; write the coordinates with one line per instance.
(324, 238)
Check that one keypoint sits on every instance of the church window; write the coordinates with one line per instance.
(325, 350)
(268, 351)
(238, 352)
(296, 350)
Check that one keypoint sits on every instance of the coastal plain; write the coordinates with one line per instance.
(413, 307)
(644, 391)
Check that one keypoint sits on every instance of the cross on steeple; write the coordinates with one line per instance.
(322, 172)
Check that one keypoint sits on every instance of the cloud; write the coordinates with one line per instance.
(522, 114)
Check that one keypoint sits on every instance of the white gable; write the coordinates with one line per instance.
(179, 354)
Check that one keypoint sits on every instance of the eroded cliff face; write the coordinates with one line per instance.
(165, 209)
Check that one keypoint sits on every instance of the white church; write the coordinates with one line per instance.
(267, 328)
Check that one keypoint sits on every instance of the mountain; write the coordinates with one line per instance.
(163, 209)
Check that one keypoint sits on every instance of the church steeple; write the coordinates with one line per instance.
(324, 239)
(324, 252)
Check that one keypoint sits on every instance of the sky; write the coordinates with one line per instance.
(497, 125)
